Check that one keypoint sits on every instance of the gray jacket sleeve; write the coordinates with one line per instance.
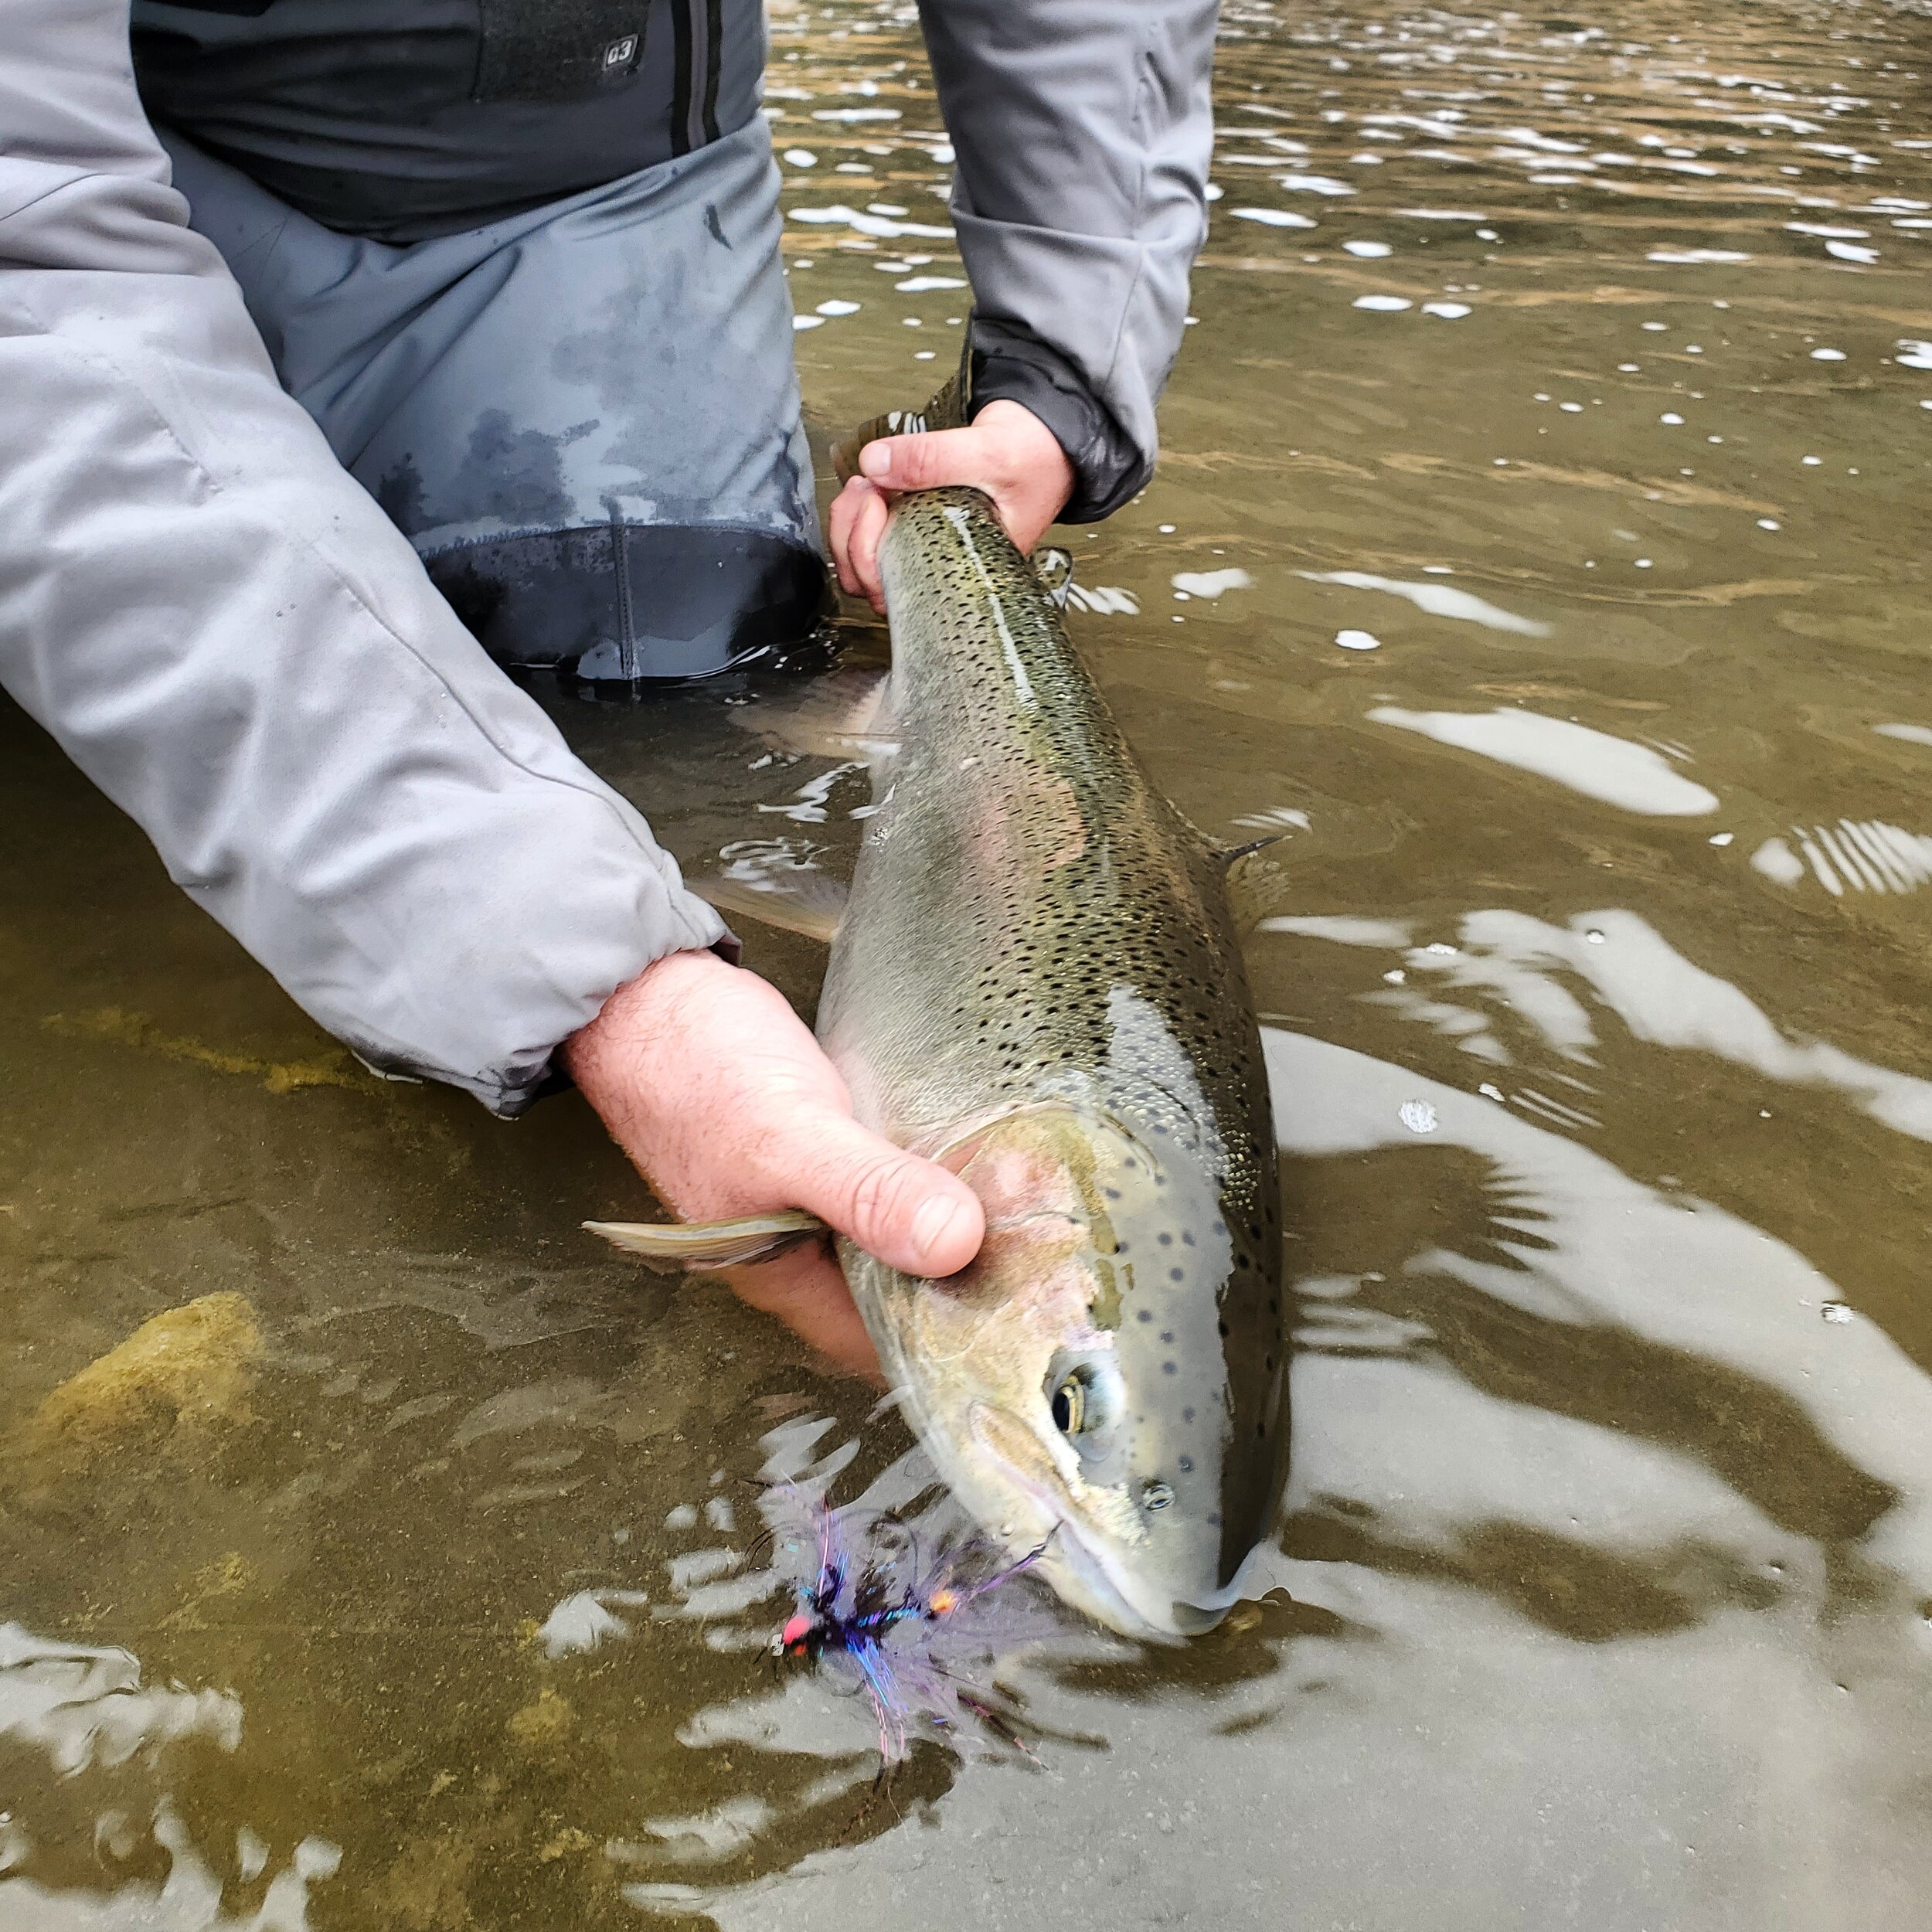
(1084, 130)
(230, 639)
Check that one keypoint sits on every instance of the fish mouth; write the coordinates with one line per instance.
(1088, 1578)
(1083, 1570)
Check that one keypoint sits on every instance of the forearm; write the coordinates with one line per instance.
(227, 634)
(1084, 132)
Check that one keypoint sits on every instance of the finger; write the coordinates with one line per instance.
(912, 1214)
(839, 519)
(869, 531)
(926, 461)
(805, 1291)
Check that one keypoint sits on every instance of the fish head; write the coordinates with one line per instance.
(1104, 1383)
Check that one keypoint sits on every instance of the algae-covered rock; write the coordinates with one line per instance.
(187, 1370)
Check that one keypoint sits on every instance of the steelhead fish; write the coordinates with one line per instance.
(1036, 981)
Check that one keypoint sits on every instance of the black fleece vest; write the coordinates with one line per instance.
(402, 119)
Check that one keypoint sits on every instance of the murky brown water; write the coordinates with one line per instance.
(1541, 544)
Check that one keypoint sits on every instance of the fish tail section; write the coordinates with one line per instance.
(949, 410)
(699, 1247)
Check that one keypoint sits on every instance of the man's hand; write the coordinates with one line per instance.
(1007, 451)
(714, 1088)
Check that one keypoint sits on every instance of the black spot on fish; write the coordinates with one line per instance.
(1146, 1315)
(1187, 1415)
(1176, 1274)
(1187, 1464)
(1167, 1334)
(1168, 1369)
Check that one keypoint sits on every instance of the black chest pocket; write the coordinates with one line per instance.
(557, 49)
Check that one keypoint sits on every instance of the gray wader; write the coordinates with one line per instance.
(582, 410)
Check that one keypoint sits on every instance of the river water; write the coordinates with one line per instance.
(1539, 546)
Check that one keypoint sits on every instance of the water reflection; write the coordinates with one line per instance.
(1632, 776)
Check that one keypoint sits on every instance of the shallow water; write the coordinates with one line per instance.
(1602, 742)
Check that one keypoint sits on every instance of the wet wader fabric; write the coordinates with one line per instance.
(584, 414)
(584, 417)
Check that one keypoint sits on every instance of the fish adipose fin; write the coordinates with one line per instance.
(1054, 567)
(808, 903)
(699, 1247)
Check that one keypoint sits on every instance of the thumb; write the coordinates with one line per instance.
(910, 1213)
(926, 461)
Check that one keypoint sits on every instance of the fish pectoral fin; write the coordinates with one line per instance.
(699, 1247)
(809, 903)
(844, 714)
(1054, 567)
(1257, 882)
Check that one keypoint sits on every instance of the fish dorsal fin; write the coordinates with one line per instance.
(698, 1247)
(792, 900)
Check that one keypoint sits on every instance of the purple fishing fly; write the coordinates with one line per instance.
(910, 1632)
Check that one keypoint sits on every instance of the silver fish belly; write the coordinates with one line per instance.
(1037, 981)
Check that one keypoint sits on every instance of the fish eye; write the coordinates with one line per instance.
(1069, 1405)
(1085, 1397)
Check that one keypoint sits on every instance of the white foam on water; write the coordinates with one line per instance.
(1212, 584)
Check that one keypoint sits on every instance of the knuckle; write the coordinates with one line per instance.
(877, 1189)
